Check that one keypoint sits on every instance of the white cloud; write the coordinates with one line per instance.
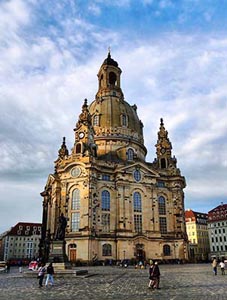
(45, 78)
(13, 14)
(95, 9)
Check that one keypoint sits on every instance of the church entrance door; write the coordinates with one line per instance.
(72, 253)
(140, 253)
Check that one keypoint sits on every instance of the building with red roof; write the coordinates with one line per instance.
(217, 229)
(21, 242)
(197, 231)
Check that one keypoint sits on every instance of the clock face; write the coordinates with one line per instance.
(81, 135)
(76, 172)
(163, 150)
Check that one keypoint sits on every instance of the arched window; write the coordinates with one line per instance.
(124, 120)
(106, 250)
(112, 78)
(161, 205)
(76, 200)
(130, 154)
(78, 148)
(163, 163)
(137, 205)
(105, 200)
(166, 250)
(96, 120)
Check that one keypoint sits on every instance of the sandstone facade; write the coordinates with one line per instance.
(118, 206)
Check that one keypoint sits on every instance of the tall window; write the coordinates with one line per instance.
(78, 148)
(76, 200)
(75, 223)
(163, 163)
(137, 205)
(106, 250)
(96, 120)
(138, 223)
(130, 154)
(161, 205)
(112, 78)
(163, 225)
(166, 250)
(124, 120)
(105, 200)
(105, 222)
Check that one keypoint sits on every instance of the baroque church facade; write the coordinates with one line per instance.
(117, 205)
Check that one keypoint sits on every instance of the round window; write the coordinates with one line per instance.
(76, 172)
(137, 175)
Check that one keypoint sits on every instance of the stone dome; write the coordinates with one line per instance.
(112, 116)
(115, 122)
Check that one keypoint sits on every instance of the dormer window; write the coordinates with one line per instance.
(124, 120)
(130, 154)
(96, 120)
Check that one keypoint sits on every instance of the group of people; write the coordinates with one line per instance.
(215, 266)
(50, 274)
(154, 275)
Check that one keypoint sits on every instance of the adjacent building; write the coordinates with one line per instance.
(22, 241)
(217, 228)
(117, 204)
(197, 231)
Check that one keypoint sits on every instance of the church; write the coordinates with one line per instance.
(117, 205)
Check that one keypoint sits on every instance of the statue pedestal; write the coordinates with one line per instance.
(57, 255)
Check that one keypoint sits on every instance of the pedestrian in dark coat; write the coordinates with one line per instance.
(154, 275)
(50, 273)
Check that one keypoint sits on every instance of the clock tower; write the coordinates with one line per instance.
(84, 134)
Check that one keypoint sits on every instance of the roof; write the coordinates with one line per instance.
(110, 61)
(25, 228)
(195, 216)
(218, 213)
(219, 207)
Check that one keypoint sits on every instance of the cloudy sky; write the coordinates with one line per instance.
(173, 54)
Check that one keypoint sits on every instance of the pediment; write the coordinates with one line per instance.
(138, 165)
(50, 180)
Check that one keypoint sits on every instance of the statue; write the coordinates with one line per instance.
(62, 223)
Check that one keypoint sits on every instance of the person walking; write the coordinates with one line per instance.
(20, 264)
(222, 265)
(150, 284)
(154, 275)
(50, 275)
(41, 273)
(214, 265)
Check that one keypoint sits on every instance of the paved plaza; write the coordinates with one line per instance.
(178, 282)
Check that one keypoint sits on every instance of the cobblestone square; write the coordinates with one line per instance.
(189, 281)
